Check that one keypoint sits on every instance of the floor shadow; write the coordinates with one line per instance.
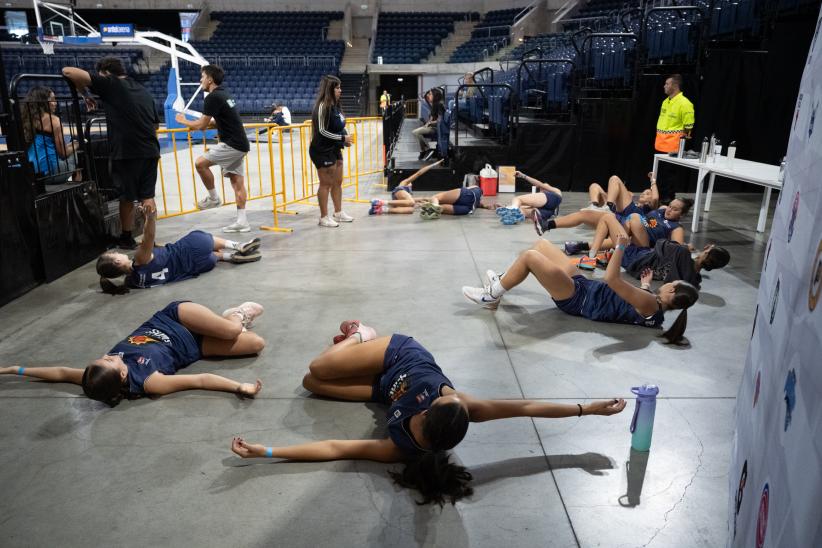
(635, 468)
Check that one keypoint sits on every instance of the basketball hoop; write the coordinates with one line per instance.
(48, 47)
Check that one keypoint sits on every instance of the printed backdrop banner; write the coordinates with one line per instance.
(775, 476)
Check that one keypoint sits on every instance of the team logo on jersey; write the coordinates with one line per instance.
(762, 519)
(422, 396)
(816, 278)
(652, 222)
(142, 360)
(398, 388)
(790, 396)
(139, 340)
(159, 335)
(743, 478)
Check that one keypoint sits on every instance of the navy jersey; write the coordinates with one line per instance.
(400, 188)
(161, 344)
(632, 208)
(410, 382)
(328, 128)
(633, 253)
(657, 226)
(596, 301)
(186, 258)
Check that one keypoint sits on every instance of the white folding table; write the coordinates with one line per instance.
(764, 175)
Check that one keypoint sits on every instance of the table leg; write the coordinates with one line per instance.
(763, 211)
(710, 191)
(700, 182)
(656, 166)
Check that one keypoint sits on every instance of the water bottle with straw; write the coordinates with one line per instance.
(642, 424)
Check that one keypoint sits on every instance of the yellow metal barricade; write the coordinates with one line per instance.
(278, 167)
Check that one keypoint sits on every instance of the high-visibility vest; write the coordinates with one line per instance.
(675, 118)
(384, 98)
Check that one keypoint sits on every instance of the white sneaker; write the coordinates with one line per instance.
(492, 277)
(594, 207)
(208, 202)
(481, 295)
(343, 217)
(237, 227)
(248, 312)
(328, 222)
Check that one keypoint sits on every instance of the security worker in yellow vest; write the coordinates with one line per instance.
(385, 100)
(676, 119)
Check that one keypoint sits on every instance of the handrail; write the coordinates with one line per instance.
(540, 62)
(530, 51)
(457, 106)
(476, 29)
(574, 37)
(525, 11)
(630, 12)
(482, 71)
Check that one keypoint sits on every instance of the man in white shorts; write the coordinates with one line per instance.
(230, 153)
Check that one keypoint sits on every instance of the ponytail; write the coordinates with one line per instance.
(685, 295)
(111, 288)
(436, 478)
(107, 269)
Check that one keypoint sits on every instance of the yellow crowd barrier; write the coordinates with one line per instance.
(277, 167)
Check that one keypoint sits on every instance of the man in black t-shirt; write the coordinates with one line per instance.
(132, 123)
(229, 153)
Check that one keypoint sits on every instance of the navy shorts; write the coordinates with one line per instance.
(551, 207)
(398, 189)
(468, 201)
(201, 247)
(136, 178)
(325, 157)
(402, 354)
(168, 320)
(575, 303)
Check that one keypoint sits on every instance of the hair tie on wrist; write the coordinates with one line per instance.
(580, 410)
(621, 247)
(20, 370)
(269, 452)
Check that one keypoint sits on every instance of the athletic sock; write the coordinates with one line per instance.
(611, 206)
(226, 256)
(231, 244)
(212, 192)
(496, 290)
(551, 224)
(125, 234)
(241, 217)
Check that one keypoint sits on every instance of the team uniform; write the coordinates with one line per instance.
(410, 382)
(131, 122)
(161, 344)
(630, 209)
(468, 201)
(400, 188)
(596, 301)
(551, 207)
(329, 136)
(668, 260)
(188, 257)
(657, 226)
(233, 147)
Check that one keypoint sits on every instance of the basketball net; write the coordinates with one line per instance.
(48, 47)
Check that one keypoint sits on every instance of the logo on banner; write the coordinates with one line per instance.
(798, 108)
(794, 211)
(762, 519)
(756, 387)
(743, 478)
(767, 256)
(790, 396)
(774, 300)
(816, 278)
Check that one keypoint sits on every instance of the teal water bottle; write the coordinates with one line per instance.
(642, 424)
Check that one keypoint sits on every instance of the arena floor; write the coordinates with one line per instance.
(160, 472)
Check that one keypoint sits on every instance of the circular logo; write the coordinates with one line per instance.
(816, 278)
(762, 519)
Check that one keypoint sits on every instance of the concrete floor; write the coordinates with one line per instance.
(160, 473)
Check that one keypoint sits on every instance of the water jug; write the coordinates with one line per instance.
(642, 424)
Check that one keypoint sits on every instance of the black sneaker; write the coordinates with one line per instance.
(538, 222)
(250, 257)
(423, 153)
(125, 242)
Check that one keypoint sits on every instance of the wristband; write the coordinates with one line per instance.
(269, 452)
(621, 247)
(580, 410)
(20, 370)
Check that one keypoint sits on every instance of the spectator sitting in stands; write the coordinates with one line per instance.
(280, 115)
(52, 158)
(434, 98)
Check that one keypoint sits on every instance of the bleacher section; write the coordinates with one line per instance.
(411, 37)
(490, 34)
(267, 56)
